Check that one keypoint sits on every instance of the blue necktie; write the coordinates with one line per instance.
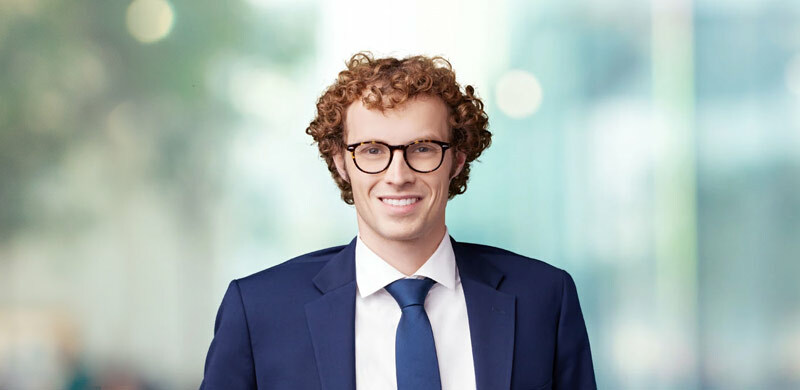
(415, 351)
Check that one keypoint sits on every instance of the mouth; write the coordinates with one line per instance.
(400, 201)
(400, 206)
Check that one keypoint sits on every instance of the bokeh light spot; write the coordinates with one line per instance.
(518, 94)
(149, 20)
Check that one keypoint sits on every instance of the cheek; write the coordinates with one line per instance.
(362, 185)
(441, 185)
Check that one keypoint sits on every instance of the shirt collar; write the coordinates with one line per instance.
(373, 273)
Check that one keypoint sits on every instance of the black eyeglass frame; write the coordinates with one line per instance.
(352, 149)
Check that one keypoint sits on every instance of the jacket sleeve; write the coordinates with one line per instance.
(229, 363)
(573, 366)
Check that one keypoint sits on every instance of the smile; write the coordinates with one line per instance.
(400, 202)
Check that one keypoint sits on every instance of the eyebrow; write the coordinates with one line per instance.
(426, 136)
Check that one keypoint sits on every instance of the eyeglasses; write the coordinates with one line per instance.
(422, 156)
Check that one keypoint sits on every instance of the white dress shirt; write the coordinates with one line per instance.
(377, 316)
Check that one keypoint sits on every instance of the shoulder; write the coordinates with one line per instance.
(504, 258)
(292, 273)
(518, 269)
(537, 285)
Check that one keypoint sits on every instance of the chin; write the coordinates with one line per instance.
(399, 231)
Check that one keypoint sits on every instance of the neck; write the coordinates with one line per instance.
(406, 256)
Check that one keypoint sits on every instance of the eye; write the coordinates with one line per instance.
(424, 149)
(373, 150)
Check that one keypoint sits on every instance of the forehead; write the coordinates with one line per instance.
(420, 117)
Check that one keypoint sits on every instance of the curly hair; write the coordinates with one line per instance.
(386, 83)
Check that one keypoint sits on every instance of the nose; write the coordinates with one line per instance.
(399, 173)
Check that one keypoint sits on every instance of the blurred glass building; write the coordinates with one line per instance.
(153, 150)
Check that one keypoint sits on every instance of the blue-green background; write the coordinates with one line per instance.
(661, 169)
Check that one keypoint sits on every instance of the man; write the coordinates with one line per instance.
(403, 305)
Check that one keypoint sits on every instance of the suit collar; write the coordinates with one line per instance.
(339, 271)
(472, 266)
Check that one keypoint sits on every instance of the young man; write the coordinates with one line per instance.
(403, 305)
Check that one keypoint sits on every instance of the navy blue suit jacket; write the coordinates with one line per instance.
(292, 326)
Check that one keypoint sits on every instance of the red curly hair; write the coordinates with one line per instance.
(386, 83)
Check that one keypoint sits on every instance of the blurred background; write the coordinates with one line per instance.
(153, 150)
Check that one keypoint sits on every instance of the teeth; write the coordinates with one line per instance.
(400, 202)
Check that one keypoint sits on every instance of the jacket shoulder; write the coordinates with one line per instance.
(513, 263)
(297, 268)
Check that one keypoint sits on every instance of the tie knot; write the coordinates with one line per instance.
(409, 292)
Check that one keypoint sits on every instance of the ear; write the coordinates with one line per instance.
(338, 160)
(460, 159)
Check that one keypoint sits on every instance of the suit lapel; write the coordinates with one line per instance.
(331, 321)
(492, 315)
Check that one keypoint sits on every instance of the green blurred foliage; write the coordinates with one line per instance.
(65, 66)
